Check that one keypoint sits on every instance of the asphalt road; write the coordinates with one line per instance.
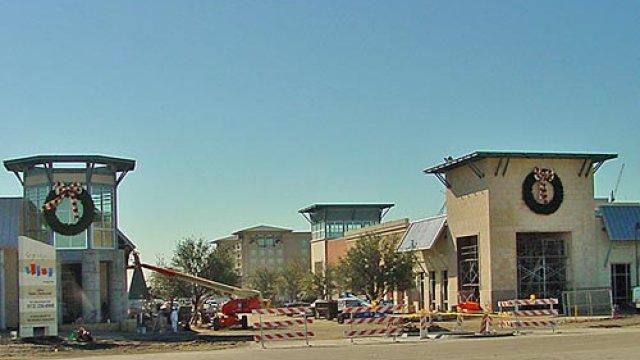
(583, 344)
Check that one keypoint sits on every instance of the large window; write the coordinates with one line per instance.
(621, 283)
(64, 213)
(432, 290)
(317, 231)
(335, 229)
(102, 227)
(445, 291)
(34, 225)
(468, 270)
(541, 265)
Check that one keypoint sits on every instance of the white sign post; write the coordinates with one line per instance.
(37, 288)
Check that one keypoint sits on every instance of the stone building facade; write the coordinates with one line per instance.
(91, 265)
(517, 224)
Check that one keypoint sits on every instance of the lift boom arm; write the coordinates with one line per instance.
(210, 284)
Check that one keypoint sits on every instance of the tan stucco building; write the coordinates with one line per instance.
(266, 247)
(517, 224)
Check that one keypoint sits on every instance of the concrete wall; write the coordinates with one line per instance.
(510, 215)
(11, 309)
(468, 215)
(492, 208)
(318, 254)
(290, 248)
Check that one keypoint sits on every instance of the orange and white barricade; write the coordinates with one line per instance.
(426, 320)
(528, 318)
(389, 324)
(485, 324)
(267, 327)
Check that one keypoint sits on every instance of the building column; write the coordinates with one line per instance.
(3, 321)
(117, 287)
(59, 290)
(91, 286)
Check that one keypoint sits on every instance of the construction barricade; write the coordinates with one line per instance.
(526, 317)
(389, 325)
(267, 327)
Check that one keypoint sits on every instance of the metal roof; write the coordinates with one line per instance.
(123, 240)
(422, 234)
(227, 238)
(265, 228)
(451, 163)
(620, 221)
(22, 164)
(10, 213)
(316, 207)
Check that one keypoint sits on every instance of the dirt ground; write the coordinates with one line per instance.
(206, 340)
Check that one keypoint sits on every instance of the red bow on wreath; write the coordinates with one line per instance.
(543, 176)
(62, 191)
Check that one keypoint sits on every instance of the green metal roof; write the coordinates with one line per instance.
(315, 207)
(22, 164)
(451, 163)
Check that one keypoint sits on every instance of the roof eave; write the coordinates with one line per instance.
(463, 160)
(22, 164)
(314, 207)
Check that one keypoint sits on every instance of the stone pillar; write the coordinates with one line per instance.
(118, 295)
(91, 286)
(59, 291)
(3, 321)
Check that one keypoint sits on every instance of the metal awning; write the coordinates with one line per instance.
(423, 234)
(620, 221)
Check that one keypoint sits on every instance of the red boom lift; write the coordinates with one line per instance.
(244, 301)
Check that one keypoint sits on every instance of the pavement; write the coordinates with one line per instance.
(573, 344)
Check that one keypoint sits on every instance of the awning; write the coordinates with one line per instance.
(620, 221)
(422, 234)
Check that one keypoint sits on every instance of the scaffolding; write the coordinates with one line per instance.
(542, 265)
(468, 269)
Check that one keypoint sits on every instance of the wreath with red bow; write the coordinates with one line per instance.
(535, 191)
(74, 192)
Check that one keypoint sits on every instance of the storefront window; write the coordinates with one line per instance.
(78, 241)
(103, 234)
(34, 225)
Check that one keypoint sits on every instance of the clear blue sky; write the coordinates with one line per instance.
(240, 113)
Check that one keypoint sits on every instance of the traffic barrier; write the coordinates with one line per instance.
(426, 321)
(530, 314)
(266, 325)
(486, 324)
(390, 323)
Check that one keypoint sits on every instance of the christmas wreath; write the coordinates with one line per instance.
(540, 203)
(75, 193)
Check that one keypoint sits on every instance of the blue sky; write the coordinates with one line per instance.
(240, 113)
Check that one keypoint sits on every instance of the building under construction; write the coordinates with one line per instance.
(91, 251)
(521, 224)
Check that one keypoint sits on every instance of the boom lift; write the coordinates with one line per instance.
(244, 301)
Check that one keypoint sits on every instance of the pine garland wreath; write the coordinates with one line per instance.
(542, 205)
(75, 193)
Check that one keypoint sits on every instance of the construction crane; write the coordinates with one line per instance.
(614, 192)
(245, 301)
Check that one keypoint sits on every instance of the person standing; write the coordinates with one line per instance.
(173, 317)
